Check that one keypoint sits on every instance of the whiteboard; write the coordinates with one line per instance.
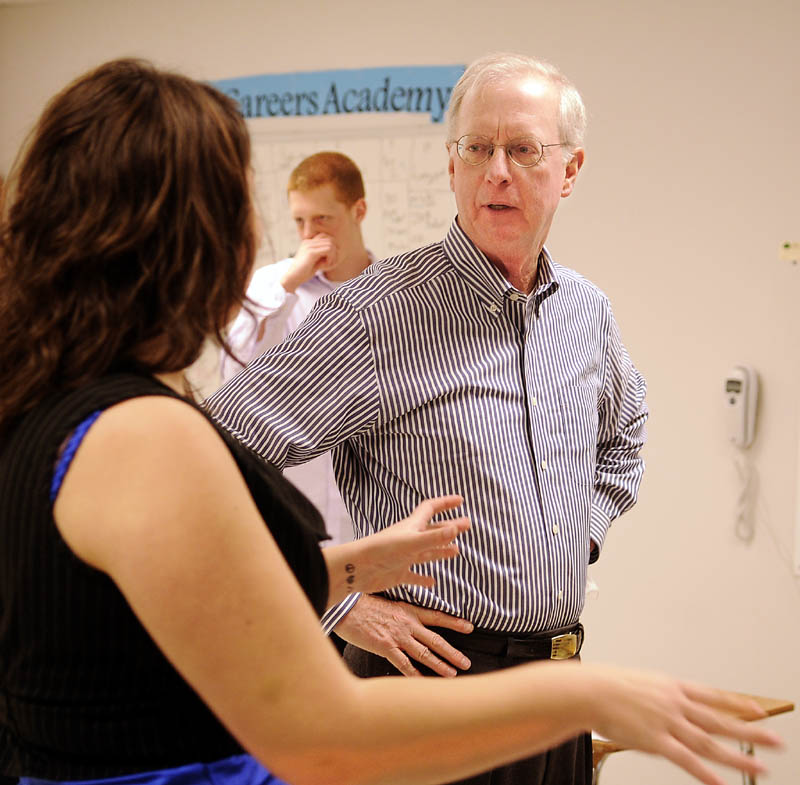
(404, 166)
(409, 202)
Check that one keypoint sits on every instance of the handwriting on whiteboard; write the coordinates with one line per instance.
(409, 202)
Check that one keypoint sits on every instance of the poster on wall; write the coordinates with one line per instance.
(390, 121)
(418, 89)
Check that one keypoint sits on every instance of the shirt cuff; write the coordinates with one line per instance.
(270, 299)
(335, 614)
(598, 528)
(284, 299)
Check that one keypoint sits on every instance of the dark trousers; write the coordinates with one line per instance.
(568, 764)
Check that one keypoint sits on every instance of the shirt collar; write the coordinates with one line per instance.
(547, 276)
(484, 278)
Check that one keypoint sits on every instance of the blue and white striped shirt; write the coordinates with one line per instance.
(430, 374)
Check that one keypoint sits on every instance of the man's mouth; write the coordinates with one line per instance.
(499, 206)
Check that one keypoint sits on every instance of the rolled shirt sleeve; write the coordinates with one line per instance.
(621, 437)
(262, 324)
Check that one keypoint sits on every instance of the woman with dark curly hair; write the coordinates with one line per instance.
(159, 584)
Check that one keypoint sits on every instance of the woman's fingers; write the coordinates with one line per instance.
(708, 713)
(713, 720)
(442, 533)
(690, 745)
(426, 509)
(682, 756)
(731, 702)
(681, 722)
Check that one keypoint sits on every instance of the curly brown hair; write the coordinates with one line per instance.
(127, 235)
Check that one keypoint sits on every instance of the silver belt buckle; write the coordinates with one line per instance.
(562, 647)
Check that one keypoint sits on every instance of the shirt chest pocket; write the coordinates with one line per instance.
(578, 437)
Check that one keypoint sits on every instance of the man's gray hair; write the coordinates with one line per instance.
(499, 66)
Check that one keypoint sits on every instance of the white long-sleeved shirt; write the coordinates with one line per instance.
(278, 313)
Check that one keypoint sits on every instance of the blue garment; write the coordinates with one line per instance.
(236, 770)
(65, 459)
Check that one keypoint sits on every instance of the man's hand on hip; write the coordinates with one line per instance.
(399, 632)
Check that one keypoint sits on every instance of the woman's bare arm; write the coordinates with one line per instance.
(154, 499)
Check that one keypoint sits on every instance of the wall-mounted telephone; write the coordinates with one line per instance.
(741, 400)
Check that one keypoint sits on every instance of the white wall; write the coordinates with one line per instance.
(691, 184)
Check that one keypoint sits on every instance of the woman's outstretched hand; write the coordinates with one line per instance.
(385, 559)
(680, 720)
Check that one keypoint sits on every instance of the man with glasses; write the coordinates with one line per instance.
(477, 366)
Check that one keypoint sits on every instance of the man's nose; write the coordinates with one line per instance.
(498, 168)
(307, 230)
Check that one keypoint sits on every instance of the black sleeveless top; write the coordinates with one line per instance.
(84, 691)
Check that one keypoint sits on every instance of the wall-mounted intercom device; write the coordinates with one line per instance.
(741, 400)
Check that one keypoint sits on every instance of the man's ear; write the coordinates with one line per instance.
(451, 167)
(359, 209)
(571, 172)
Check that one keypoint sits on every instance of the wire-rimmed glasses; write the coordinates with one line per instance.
(526, 151)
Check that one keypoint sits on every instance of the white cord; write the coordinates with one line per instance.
(745, 504)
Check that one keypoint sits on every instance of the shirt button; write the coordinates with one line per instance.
(560, 595)
(533, 401)
(492, 308)
(544, 464)
(555, 528)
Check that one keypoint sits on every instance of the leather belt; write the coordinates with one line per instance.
(558, 644)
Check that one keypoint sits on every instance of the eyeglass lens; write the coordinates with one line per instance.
(476, 150)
